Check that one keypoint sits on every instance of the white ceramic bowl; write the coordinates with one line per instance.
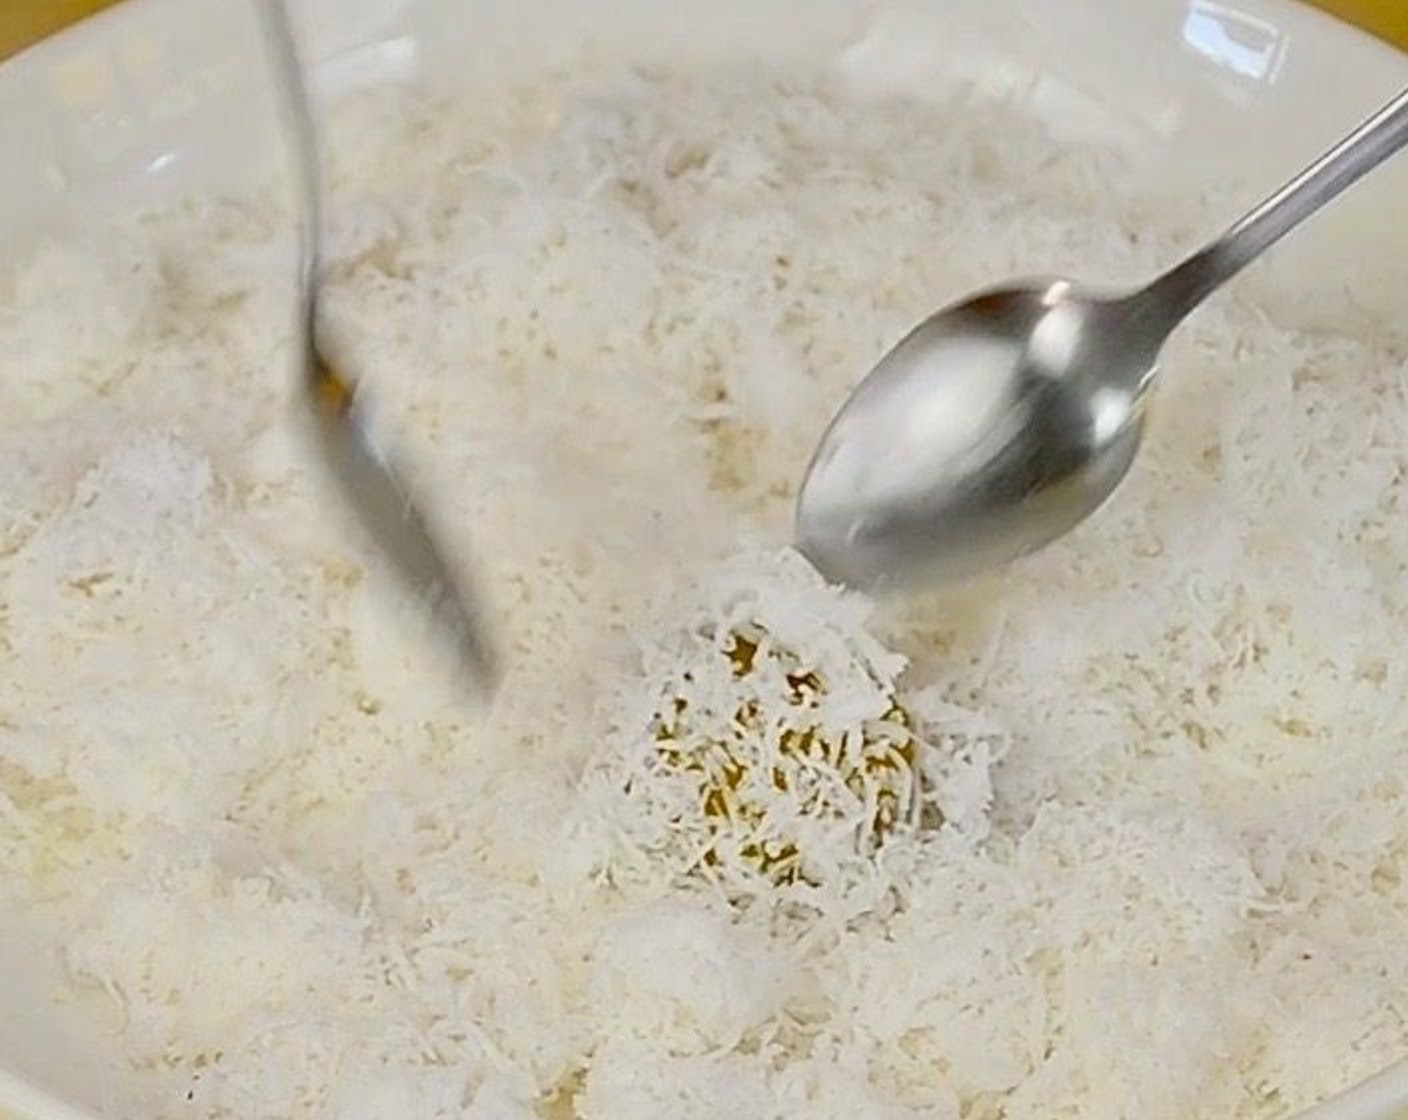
(156, 97)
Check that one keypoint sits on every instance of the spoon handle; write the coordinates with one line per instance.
(373, 481)
(1178, 291)
(307, 162)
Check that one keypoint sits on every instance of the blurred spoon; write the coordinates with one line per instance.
(372, 481)
(1005, 420)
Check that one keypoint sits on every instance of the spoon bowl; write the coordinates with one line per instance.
(994, 427)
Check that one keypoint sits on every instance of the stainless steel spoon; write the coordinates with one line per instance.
(1005, 420)
(371, 479)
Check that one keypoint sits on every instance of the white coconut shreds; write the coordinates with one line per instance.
(1120, 832)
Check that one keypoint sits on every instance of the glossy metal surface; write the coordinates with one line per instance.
(367, 475)
(1007, 419)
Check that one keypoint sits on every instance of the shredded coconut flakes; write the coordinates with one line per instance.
(1120, 832)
